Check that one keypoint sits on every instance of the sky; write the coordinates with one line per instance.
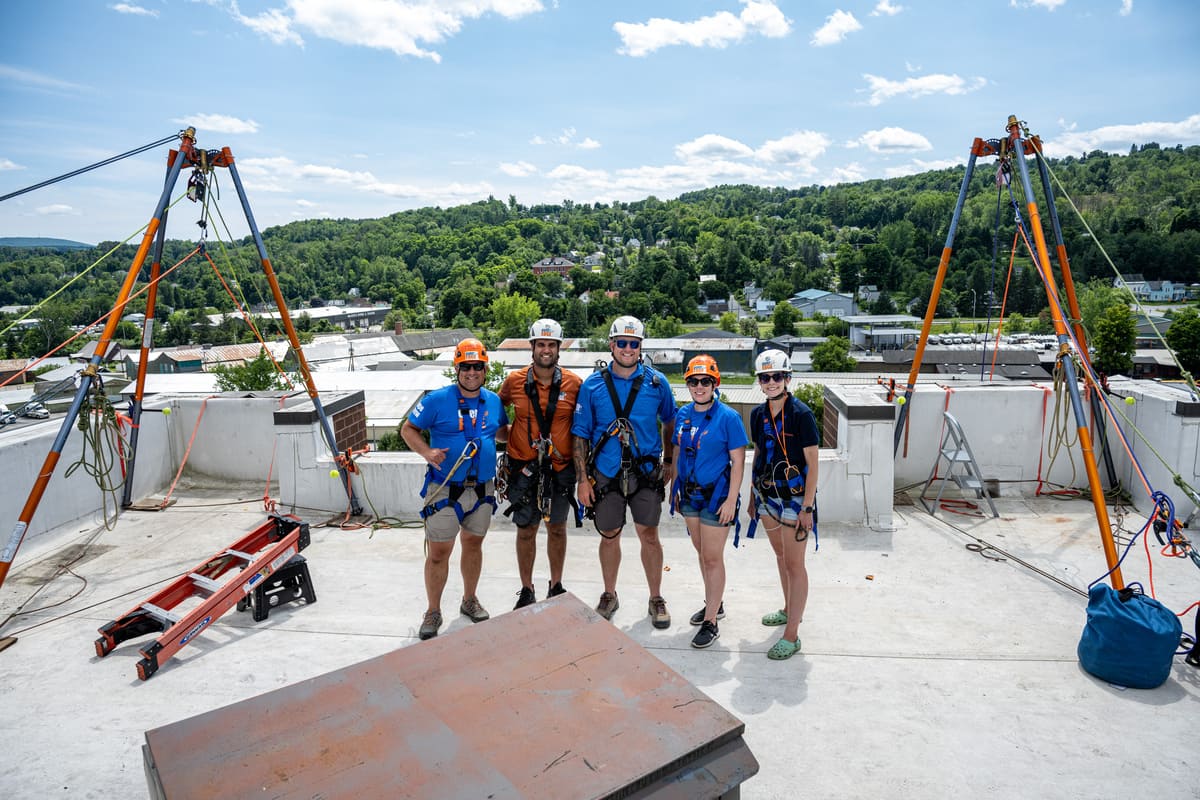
(362, 108)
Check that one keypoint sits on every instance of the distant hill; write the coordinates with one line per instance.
(40, 241)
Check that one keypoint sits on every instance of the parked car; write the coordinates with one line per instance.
(7, 418)
(36, 411)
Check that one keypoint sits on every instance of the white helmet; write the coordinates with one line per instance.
(545, 329)
(627, 326)
(772, 361)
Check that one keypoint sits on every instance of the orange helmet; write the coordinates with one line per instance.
(703, 366)
(470, 350)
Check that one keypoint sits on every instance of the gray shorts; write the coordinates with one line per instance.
(444, 526)
(645, 505)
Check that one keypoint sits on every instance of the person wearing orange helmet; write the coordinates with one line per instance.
(464, 421)
(542, 474)
(710, 446)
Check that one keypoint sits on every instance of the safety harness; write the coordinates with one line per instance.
(456, 489)
(537, 479)
(637, 471)
(777, 492)
(685, 487)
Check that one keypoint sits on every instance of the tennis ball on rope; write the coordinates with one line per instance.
(900, 401)
(1130, 401)
(333, 473)
(167, 411)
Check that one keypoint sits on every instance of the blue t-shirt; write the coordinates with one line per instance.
(594, 414)
(453, 420)
(703, 440)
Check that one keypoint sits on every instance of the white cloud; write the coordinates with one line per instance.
(918, 165)
(282, 174)
(566, 139)
(36, 80)
(760, 17)
(1126, 7)
(1119, 138)
(306, 203)
(851, 173)
(797, 150)
(884, 8)
(884, 89)
(892, 140)
(6, 164)
(127, 8)
(218, 123)
(710, 146)
(588, 144)
(55, 210)
(537, 140)
(1049, 5)
(401, 26)
(838, 26)
(520, 169)
(272, 24)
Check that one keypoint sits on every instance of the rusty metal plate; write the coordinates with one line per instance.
(549, 701)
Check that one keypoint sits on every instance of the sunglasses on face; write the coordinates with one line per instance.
(773, 377)
(632, 344)
(473, 367)
(699, 381)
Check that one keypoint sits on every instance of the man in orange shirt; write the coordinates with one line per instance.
(541, 480)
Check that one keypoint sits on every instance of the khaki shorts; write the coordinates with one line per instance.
(645, 505)
(444, 526)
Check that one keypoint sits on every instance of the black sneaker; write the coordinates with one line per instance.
(556, 589)
(525, 597)
(707, 634)
(698, 617)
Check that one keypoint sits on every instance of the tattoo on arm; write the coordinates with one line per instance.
(581, 457)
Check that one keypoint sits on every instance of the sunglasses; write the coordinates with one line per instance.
(632, 344)
(773, 377)
(473, 366)
(699, 381)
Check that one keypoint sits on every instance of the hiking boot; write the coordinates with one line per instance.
(556, 589)
(707, 634)
(525, 597)
(658, 612)
(608, 605)
(698, 617)
(472, 610)
(430, 624)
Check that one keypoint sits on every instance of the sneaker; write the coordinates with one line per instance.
(472, 610)
(608, 605)
(657, 610)
(775, 618)
(698, 617)
(784, 649)
(707, 634)
(525, 597)
(556, 589)
(430, 624)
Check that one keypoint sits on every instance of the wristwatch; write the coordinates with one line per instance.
(808, 509)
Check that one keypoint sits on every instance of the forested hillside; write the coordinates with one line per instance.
(472, 263)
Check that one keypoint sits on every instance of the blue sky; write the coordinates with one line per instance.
(361, 108)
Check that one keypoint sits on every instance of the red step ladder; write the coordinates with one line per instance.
(251, 560)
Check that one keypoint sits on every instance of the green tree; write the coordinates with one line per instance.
(729, 322)
(1095, 298)
(833, 355)
(513, 314)
(1015, 323)
(784, 319)
(256, 375)
(1113, 339)
(663, 328)
(813, 396)
(749, 327)
(1184, 338)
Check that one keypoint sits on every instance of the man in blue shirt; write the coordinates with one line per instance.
(464, 422)
(622, 428)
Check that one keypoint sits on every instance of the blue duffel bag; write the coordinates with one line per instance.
(1130, 639)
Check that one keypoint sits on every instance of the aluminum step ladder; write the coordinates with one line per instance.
(192, 602)
(961, 468)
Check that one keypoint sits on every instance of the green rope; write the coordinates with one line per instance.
(101, 442)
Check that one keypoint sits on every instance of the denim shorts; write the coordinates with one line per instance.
(686, 509)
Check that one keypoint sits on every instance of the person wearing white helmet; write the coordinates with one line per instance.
(541, 472)
(623, 459)
(783, 482)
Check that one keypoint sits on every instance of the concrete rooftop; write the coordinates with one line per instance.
(927, 670)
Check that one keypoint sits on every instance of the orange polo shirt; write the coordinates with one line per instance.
(524, 423)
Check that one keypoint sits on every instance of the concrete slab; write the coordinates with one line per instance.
(927, 668)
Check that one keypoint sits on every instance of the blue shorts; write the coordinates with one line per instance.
(686, 509)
